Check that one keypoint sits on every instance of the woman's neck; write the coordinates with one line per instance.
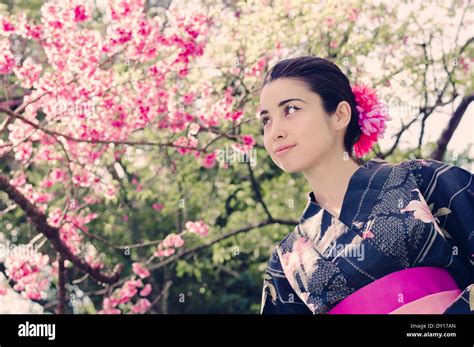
(329, 180)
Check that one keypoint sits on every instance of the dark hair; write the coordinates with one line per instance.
(329, 82)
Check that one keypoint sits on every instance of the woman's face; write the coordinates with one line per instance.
(301, 123)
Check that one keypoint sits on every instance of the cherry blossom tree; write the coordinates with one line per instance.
(110, 110)
(88, 94)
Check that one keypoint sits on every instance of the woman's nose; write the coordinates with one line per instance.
(278, 132)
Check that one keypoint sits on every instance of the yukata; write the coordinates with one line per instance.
(403, 243)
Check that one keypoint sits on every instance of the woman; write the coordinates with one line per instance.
(374, 237)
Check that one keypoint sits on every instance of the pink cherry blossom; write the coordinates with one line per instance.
(95, 263)
(7, 60)
(109, 307)
(241, 148)
(193, 129)
(6, 25)
(157, 207)
(28, 73)
(24, 152)
(29, 273)
(422, 211)
(189, 98)
(173, 240)
(353, 14)
(164, 252)
(329, 21)
(141, 306)
(256, 69)
(248, 140)
(146, 290)
(198, 227)
(18, 180)
(128, 291)
(184, 142)
(168, 246)
(209, 160)
(140, 270)
(81, 13)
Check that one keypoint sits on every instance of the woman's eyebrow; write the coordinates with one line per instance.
(280, 104)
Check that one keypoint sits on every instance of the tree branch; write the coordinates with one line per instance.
(448, 132)
(218, 239)
(39, 220)
(61, 285)
(258, 194)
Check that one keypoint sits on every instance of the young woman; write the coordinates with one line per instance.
(374, 237)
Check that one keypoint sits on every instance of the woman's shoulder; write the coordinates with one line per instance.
(431, 175)
(419, 164)
(431, 171)
(430, 165)
(411, 164)
(423, 168)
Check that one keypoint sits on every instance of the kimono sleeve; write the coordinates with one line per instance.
(449, 192)
(278, 297)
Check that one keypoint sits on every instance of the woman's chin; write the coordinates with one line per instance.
(289, 168)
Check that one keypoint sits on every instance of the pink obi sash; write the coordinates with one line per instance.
(426, 290)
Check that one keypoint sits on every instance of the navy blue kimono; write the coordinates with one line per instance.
(418, 213)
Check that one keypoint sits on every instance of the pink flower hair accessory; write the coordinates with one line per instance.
(372, 117)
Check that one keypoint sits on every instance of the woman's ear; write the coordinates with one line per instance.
(342, 116)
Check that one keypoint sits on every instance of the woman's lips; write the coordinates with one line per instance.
(283, 151)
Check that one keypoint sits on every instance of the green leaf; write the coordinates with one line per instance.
(445, 232)
(442, 212)
(197, 273)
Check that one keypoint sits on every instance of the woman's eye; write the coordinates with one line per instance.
(294, 108)
(265, 120)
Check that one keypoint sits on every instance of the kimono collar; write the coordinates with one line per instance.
(361, 179)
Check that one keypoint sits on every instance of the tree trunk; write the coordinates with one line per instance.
(447, 134)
